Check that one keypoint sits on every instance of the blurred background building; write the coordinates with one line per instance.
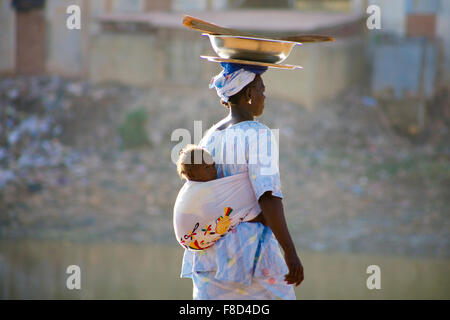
(146, 43)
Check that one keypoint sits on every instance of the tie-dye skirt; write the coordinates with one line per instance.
(247, 264)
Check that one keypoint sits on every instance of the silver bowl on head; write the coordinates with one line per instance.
(252, 49)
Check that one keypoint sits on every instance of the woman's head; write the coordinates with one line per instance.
(241, 87)
(251, 97)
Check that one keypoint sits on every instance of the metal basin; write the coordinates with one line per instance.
(253, 49)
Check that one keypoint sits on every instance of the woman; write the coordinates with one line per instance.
(247, 262)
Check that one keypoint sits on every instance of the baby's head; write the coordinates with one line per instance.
(196, 164)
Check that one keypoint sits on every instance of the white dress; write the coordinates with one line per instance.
(247, 263)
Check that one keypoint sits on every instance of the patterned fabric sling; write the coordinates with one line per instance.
(206, 211)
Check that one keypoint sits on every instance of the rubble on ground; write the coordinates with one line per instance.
(350, 182)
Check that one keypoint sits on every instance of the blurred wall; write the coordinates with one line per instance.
(133, 59)
(65, 47)
(135, 6)
(443, 27)
(146, 58)
(7, 37)
(173, 56)
(67, 51)
(423, 15)
(129, 6)
(199, 5)
(328, 69)
(393, 15)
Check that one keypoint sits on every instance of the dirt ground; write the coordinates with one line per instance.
(350, 182)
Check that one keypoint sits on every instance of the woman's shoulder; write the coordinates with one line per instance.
(208, 135)
(253, 129)
(254, 124)
(246, 127)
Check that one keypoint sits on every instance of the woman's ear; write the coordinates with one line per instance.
(225, 104)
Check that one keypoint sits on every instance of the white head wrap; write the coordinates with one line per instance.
(230, 84)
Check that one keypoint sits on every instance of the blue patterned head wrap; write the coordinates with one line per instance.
(232, 67)
(233, 78)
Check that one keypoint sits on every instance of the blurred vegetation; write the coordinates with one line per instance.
(132, 130)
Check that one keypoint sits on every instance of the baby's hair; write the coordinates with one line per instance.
(188, 156)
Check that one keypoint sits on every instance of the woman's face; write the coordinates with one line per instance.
(257, 96)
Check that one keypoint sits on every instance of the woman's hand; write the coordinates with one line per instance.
(295, 275)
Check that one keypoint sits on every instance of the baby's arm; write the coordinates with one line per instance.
(273, 213)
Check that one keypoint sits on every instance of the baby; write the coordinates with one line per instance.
(196, 164)
(202, 171)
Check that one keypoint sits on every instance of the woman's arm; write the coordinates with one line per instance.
(273, 213)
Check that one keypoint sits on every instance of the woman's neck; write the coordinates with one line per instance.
(238, 114)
